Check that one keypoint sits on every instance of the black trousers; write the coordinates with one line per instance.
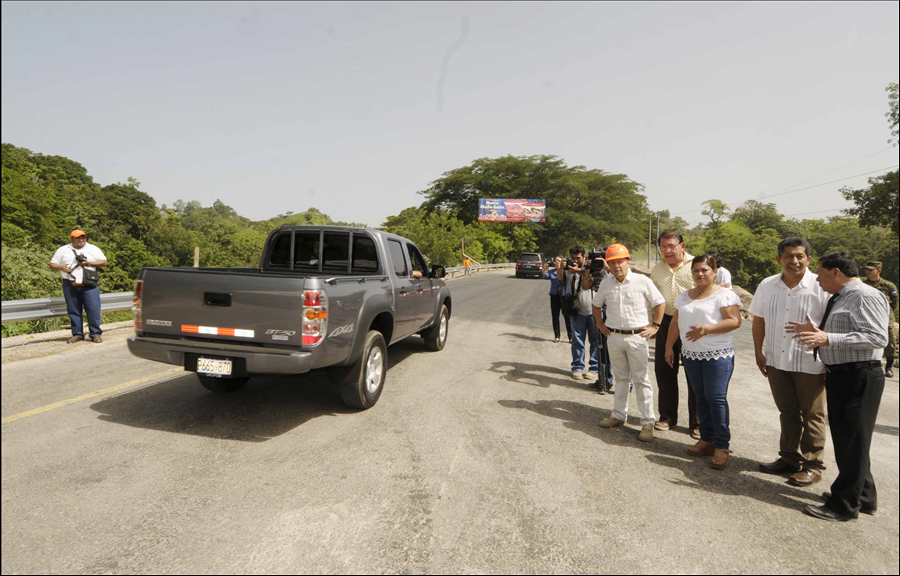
(853, 400)
(667, 379)
(555, 311)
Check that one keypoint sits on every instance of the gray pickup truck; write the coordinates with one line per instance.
(331, 297)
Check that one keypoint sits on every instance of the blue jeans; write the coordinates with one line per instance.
(709, 379)
(583, 325)
(78, 297)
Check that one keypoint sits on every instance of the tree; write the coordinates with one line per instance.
(758, 215)
(877, 205)
(716, 210)
(587, 207)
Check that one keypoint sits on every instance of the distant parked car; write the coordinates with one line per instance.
(530, 264)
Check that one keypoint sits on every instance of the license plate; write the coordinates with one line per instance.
(214, 366)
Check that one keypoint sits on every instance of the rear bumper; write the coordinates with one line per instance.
(257, 361)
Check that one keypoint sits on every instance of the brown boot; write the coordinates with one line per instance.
(720, 459)
(702, 448)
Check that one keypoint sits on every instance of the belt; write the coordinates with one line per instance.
(852, 366)
(617, 331)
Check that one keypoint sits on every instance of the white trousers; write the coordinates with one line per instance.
(630, 359)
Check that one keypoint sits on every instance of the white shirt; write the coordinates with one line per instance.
(627, 301)
(65, 257)
(702, 312)
(777, 305)
(723, 276)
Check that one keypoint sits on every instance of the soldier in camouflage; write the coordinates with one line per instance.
(873, 272)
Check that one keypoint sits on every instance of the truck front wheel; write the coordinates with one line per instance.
(364, 383)
(222, 385)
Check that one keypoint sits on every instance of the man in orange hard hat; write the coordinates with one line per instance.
(71, 261)
(628, 328)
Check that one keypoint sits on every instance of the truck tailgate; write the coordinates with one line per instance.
(243, 306)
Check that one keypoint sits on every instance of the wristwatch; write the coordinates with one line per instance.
(657, 324)
(702, 331)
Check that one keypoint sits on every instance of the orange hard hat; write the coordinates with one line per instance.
(617, 252)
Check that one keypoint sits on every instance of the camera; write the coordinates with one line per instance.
(81, 258)
(596, 257)
(570, 263)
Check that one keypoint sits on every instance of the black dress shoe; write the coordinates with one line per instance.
(826, 496)
(779, 467)
(824, 513)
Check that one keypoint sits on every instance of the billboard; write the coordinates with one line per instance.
(511, 210)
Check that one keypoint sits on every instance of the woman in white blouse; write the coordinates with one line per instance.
(706, 315)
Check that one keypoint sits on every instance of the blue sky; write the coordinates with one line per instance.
(275, 107)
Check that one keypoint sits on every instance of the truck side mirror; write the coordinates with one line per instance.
(437, 271)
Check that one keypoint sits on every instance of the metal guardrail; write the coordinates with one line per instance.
(41, 308)
(461, 270)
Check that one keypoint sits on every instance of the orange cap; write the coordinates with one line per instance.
(77, 233)
(617, 252)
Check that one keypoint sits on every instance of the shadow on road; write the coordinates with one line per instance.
(526, 337)
(735, 481)
(265, 408)
(537, 375)
(889, 430)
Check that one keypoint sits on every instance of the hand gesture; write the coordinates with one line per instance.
(670, 356)
(648, 332)
(694, 333)
(797, 327)
(808, 333)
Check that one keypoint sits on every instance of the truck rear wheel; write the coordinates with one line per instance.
(436, 337)
(222, 385)
(364, 383)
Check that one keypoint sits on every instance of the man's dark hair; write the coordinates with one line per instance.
(666, 235)
(709, 259)
(718, 258)
(842, 261)
(793, 242)
(576, 250)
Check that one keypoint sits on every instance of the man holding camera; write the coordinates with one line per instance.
(72, 260)
(578, 283)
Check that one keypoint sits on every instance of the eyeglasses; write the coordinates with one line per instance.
(668, 247)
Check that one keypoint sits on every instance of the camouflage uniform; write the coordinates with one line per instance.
(890, 292)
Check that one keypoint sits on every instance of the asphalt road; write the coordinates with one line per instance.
(483, 458)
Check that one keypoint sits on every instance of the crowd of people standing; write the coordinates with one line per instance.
(818, 340)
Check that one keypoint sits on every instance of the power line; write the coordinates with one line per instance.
(797, 190)
(836, 169)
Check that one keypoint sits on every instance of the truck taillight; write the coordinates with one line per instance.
(136, 305)
(315, 317)
(518, 262)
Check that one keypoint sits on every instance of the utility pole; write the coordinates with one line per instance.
(657, 235)
(649, 234)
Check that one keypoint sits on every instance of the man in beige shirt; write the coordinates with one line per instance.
(672, 276)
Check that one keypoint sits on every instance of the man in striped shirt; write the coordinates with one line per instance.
(796, 378)
(672, 276)
(851, 343)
